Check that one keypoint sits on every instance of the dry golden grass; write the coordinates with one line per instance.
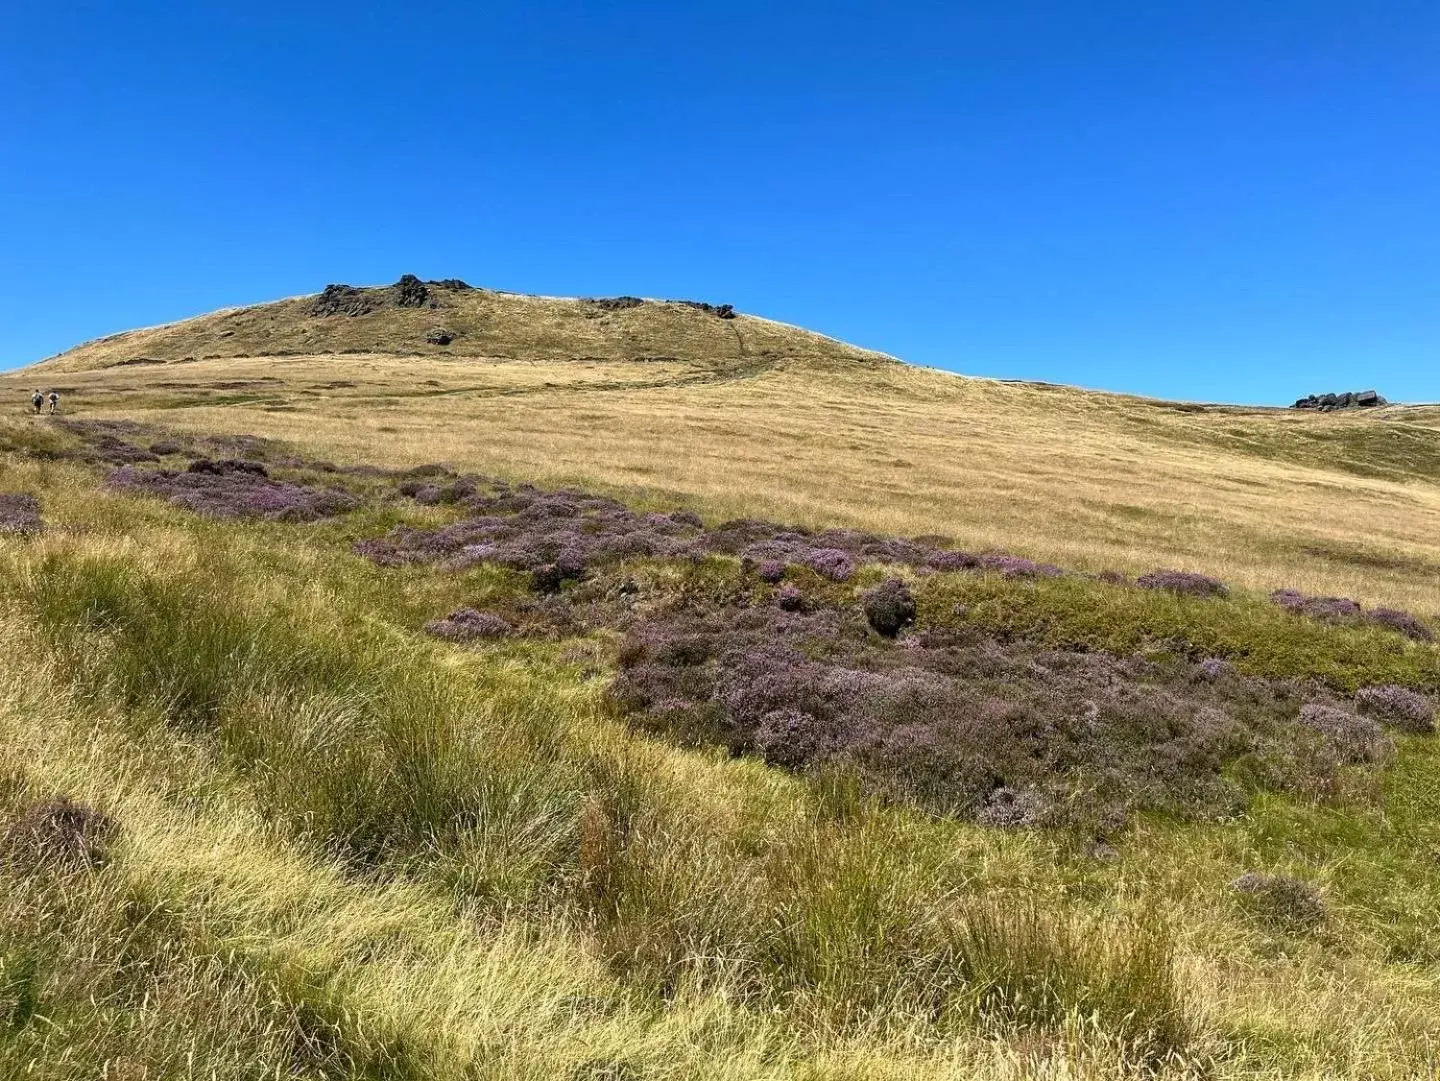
(262, 933)
(746, 416)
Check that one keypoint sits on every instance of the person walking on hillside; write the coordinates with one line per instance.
(54, 401)
(37, 400)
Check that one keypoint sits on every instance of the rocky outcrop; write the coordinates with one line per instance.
(1350, 399)
(720, 311)
(343, 300)
(410, 292)
(614, 304)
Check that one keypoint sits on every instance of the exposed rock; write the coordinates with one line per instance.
(614, 304)
(410, 292)
(1350, 399)
(720, 311)
(455, 285)
(440, 336)
(343, 300)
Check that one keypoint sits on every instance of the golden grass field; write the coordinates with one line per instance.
(747, 416)
(556, 894)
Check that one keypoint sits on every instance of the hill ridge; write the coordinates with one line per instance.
(449, 318)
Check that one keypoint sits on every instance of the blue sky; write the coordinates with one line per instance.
(1215, 200)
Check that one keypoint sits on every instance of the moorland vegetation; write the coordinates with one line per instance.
(577, 756)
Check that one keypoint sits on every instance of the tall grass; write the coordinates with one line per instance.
(347, 851)
(374, 751)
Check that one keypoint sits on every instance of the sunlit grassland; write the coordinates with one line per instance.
(1344, 505)
(350, 851)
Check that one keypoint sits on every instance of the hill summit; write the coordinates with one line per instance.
(449, 317)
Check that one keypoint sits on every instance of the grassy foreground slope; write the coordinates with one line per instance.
(745, 416)
(254, 823)
(335, 848)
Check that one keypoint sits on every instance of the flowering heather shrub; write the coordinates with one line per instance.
(225, 466)
(1401, 707)
(59, 833)
(1015, 567)
(829, 563)
(467, 624)
(166, 447)
(1331, 609)
(19, 513)
(1186, 582)
(1290, 903)
(771, 571)
(235, 493)
(889, 607)
(957, 716)
(526, 528)
(790, 599)
(1354, 739)
(1213, 668)
(1400, 621)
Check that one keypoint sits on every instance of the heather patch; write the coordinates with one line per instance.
(234, 489)
(1404, 622)
(1186, 582)
(531, 529)
(771, 571)
(1350, 737)
(110, 442)
(19, 513)
(1006, 733)
(1213, 668)
(1345, 610)
(557, 536)
(469, 624)
(1398, 706)
(1331, 609)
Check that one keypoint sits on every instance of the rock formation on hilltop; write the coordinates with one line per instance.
(1350, 399)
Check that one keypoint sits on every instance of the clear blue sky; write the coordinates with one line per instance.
(1213, 200)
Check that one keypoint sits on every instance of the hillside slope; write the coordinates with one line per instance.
(316, 765)
(745, 416)
(404, 319)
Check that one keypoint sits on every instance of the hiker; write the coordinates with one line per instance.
(54, 401)
(37, 400)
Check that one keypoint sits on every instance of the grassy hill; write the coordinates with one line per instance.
(744, 416)
(532, 765)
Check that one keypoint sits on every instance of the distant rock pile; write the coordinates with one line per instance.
(620, 304)
(614, 304)
(1351, 399)
(410, 292)
(720, 311)
(343, 300)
